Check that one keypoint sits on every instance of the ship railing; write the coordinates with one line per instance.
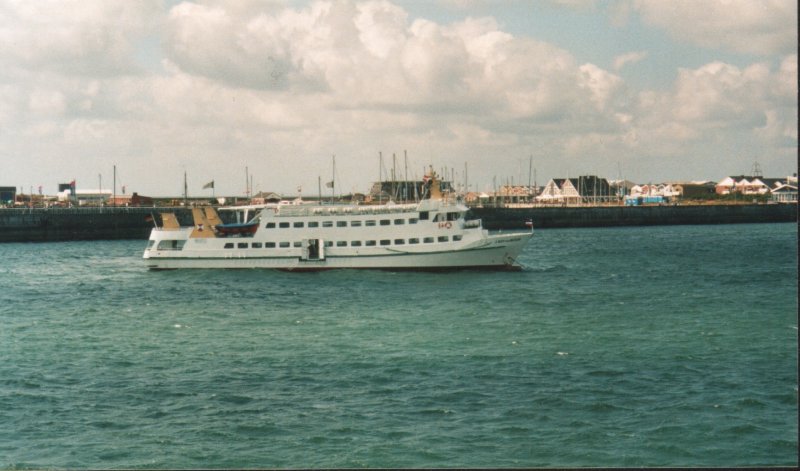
(344, 210)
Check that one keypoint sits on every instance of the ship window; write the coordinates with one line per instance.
(413, 240)
(313, 223)
(298, 224)
(328, 243)
(428, 240)
(369, 222)
(150, 244)
(229, 245)
(283, 224)
(438, 217)
(284, 244)
(355, 223)
(327, 223)
(399, 221)
(385, 241)
(341, 223)
(423, 215)
(370, 243)
(241, 245)
(298, 244)
(385, 222)
(341, 243)
(412, 220)
(399, 241)
(452, 216)
(355, 243)
(457, 237)
(270, 225)
(443, 239)
(269, 245)
(256, 245)
(171, 244)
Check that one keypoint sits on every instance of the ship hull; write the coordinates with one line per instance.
(498, 252)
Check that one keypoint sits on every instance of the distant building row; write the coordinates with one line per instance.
(595, 190)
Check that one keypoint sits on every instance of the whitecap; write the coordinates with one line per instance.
(562, 354)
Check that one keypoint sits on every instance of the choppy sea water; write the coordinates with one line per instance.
(657, 346)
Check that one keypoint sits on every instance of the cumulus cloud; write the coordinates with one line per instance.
(723, 105)
(628, 58)
(760, 27)
(279, 89)
(74, 37)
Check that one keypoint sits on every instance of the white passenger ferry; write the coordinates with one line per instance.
(431, 234)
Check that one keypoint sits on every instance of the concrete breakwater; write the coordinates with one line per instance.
(602, 216)
(57, 224)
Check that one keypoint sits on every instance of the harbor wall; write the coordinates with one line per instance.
(602, 216)
(58, 224)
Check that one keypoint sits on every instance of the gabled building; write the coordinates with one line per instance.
(263, 197)
(581, 190)
(747, 185)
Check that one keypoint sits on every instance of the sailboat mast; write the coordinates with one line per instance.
(394, 180)
(405, 176)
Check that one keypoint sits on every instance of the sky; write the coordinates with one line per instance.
(490, 92)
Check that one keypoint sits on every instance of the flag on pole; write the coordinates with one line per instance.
(209, 185)
(329, 184)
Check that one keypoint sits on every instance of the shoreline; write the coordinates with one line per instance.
(110, 223)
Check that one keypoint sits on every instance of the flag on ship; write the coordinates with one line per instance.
(209, 185)
(329, 184)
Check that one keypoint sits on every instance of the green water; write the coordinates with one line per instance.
(658, 346)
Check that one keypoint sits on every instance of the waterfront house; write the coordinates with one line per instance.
(665, 190)
(784, 193)
(747, 185)
(263, 197)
